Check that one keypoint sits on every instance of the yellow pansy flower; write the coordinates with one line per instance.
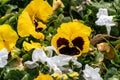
(72, 38)
(8, 37)
(44, 77)
(29, 22)
(29, 46)
(39, 9)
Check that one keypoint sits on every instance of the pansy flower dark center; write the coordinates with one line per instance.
(77, 47)
(62, 41)
(37, 29)
(69, 51)
(79, 42)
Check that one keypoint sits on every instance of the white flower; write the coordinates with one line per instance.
(3, 57)
(90, 73)
(102, 11)
(104, 19)
(55, 63)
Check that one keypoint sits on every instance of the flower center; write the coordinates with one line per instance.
(79, 42)
(62, 41)
(70, 48)
(69, 51)
(37, 29)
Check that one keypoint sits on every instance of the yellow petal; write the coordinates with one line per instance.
(38, 35)
(73, 27)
(41, 25)
(43, 77)
(8, 37)
(44, 10)
(29, 46)
(40, 9)
(25, 25)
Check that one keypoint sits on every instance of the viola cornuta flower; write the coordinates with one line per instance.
(42, 76)
(8, 37)
(105, 20)
(31, 20)
(72, 38)
(90, 73)
(3, 57)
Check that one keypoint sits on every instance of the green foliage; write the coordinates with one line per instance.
(13, 74)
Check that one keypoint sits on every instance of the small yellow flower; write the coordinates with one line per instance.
(44, 77)
(60, 76)
(73, 74)
(29, 46)
(8, 37)
(72, 38)
(29, 22)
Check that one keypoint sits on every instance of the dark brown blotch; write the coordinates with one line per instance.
(38, 29)
(62, 41)
(69, 51)
(79, 42)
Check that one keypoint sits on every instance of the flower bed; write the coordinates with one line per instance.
(59, 40)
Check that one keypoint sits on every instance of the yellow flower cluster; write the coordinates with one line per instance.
(72, 38)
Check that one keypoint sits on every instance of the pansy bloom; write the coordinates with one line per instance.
(8, 37)
(32, 19)
(42, 76)
(72, 38)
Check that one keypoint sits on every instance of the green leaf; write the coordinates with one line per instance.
(4, 1)
(26, 77)
(110, 73)
(13, 74)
